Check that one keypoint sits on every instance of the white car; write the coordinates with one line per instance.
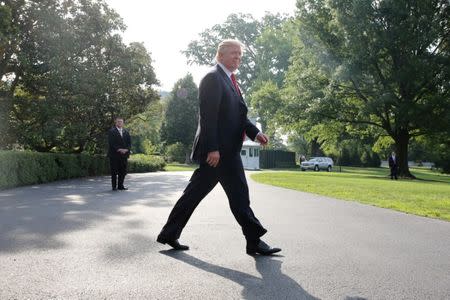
(317, 163)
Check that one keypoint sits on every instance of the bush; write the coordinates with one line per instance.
(176, 153)
(141, 163)
(25, 167)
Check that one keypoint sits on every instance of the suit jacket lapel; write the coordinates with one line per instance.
(230, 84)
(118, 133)
(227, 80)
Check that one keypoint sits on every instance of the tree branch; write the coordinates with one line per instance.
(343, 120)
(358, 91)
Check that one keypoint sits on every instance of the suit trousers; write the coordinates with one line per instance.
(230, 174)
(393, 172)
(118, 166)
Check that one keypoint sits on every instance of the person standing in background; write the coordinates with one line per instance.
(119, 144)
(393, 165)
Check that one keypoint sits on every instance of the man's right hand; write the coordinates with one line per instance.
(213, 158)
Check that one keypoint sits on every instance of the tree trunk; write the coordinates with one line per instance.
(401, 145)
(315, 148)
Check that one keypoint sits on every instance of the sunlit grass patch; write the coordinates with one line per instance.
(179, 167)
(429, 195)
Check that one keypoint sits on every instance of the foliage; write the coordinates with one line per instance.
(181, 115)
(434, 148)
(379, 63)
(25, 167)
(145, 129)
(265, 101)
(298, 144)
(176, 153)
(255, 35)
(429, 197)
(68, 74)
(141, 163)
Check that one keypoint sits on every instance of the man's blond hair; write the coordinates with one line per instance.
(227, 44)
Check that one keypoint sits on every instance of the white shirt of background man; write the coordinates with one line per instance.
(120, 131)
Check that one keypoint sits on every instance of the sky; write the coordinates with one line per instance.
(166, 27)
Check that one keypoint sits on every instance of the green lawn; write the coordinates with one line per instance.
(179, 167)
(429, 195)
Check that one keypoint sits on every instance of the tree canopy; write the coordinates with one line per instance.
(267, 49)
(66, 73)
(181, 115)
(378, 63)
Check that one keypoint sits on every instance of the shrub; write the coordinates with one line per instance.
(176, 153)
(140, 163)
(25, 167)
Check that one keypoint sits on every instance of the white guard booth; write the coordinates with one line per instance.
(250, 155)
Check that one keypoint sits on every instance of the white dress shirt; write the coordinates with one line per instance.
(120, 131)
(228, 72)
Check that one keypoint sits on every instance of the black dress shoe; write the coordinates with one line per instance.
(261, 248)
(114, 189)
(172, 243)
(122, 188)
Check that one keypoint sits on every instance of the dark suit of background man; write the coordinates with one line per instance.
(119, 144)
(393, 165)
(222, 126)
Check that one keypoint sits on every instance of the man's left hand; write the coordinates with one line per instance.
(262, 138)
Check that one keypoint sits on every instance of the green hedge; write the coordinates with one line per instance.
(24, 167)
(141, 163)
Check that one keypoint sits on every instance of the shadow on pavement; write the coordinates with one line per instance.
(32, 217)
(273, 284)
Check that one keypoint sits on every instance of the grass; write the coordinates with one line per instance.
(179, 167)
(428, 195)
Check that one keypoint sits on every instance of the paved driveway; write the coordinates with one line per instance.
(78, 240)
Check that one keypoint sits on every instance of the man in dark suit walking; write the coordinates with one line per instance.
(393, 165)
(223, 124)
(119, 144)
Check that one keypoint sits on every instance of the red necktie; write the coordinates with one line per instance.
(236, 86)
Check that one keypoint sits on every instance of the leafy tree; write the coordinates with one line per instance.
(181, 116)
(434, 148)
(71, 74)
(265, 101)
(176, 153)
(145, 128)
(380, 63)
(267, 46)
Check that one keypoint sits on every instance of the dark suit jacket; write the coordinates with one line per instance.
(392, 163)
(115, 142)
(223, 118)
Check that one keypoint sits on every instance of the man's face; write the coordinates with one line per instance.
(231, 57)
(119, 123)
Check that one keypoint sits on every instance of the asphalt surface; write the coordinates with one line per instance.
(77, 239)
